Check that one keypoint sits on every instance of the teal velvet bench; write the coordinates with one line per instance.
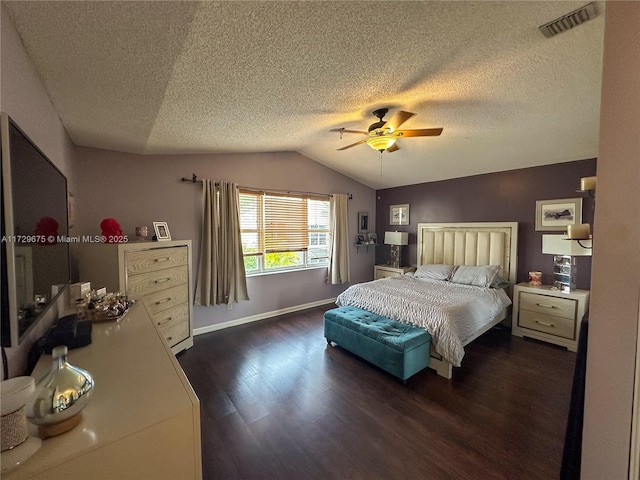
(398, 348)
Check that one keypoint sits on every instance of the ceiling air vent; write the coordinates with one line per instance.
(569, 21)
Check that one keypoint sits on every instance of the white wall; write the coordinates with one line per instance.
(615, 278)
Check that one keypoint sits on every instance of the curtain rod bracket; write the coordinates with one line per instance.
(194, 178)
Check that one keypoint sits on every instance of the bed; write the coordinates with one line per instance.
(454, 314)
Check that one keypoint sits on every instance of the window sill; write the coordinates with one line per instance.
(277, 272)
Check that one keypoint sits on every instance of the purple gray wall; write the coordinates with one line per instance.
(501, 197)
(139, 189)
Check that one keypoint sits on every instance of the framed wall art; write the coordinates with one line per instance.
(399, 214)
(555, 215)
(363, 222)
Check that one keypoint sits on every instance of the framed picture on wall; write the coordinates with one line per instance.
(363, 222)
(399, 214)
(162, 231)
(555, 215)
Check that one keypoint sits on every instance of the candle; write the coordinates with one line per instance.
(579, 232)
(588, 183)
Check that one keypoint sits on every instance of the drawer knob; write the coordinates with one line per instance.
(545, 324)
(160, 260)
(545, 305)
(162, 280)
(164, 300)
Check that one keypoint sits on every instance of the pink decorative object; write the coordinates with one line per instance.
(111, 230)
(47, 231)
(535, 278)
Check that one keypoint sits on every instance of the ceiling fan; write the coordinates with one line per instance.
(382, 135)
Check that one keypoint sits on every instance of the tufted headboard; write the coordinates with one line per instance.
(486, 243)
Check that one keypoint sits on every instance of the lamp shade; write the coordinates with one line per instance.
(396, 238)
(381, 142)
(561, 245)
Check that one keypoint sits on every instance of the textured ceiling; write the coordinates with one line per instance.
(191, 77)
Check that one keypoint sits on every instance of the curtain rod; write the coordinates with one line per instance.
(194, 179)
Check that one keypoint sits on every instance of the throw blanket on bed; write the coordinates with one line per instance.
(450, 312)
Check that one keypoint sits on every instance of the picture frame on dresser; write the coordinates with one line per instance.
(162, 231)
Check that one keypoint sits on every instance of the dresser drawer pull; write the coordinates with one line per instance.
(164, 300)
(162, 280)
(545, 324)
(162, 322)
(160, 260)
(169, 339)
(545, 305)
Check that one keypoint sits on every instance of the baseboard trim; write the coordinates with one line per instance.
(261, 316)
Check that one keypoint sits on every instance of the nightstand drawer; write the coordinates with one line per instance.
(558, 326)
(547, 305)
(385, 273)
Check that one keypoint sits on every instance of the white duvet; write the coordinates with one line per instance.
(452, 313)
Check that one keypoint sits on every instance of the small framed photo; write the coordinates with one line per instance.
(555, 215)
(361, 239)
(363, 222)
(399, 214)
(373, 238)
(162, 231)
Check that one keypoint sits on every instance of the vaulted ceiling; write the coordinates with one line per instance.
(205, 77)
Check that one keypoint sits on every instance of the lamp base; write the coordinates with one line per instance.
(394, 256)
(564, 272)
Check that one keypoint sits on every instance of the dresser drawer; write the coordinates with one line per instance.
(165, 299)
(145, 261)
(176, 333)
(558, 326)
(169, 318)
(146, 283)
(547, 305)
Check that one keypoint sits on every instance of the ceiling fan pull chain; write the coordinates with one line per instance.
(381, 163)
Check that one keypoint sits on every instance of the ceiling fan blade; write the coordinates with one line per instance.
(353, 144)
(393, 148)
(398, 119)
(344, 130)
(421, 132)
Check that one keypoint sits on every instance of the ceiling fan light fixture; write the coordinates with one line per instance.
(381, 143)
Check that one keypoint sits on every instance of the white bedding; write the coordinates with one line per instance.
(450, 312)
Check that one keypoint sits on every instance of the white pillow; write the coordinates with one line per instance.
(479, 276)
(434, 272)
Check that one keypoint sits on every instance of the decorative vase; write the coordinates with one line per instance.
(60, 396)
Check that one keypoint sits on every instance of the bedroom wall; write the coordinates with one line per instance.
(25, 99)
(139, 189)
(502, 197)
(615, 301)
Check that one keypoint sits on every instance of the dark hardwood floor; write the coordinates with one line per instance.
(278, 403)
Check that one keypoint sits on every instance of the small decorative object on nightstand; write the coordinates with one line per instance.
(383, 271)
(548, 314)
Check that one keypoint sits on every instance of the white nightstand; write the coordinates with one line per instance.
(549, 315)
(382, 271)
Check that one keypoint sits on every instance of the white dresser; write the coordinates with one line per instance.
(156, 273)
(143, 420)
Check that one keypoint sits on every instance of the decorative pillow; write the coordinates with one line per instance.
(500, 282)
(479, 276)
(435, 272)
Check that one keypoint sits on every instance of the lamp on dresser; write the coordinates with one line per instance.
(396, 240)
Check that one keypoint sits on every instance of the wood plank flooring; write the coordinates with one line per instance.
(278, 403)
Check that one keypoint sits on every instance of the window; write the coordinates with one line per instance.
(283, 231)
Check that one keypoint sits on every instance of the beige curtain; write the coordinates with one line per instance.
(339, 271)
(221, 276)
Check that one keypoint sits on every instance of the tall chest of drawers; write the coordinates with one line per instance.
(155, 273)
